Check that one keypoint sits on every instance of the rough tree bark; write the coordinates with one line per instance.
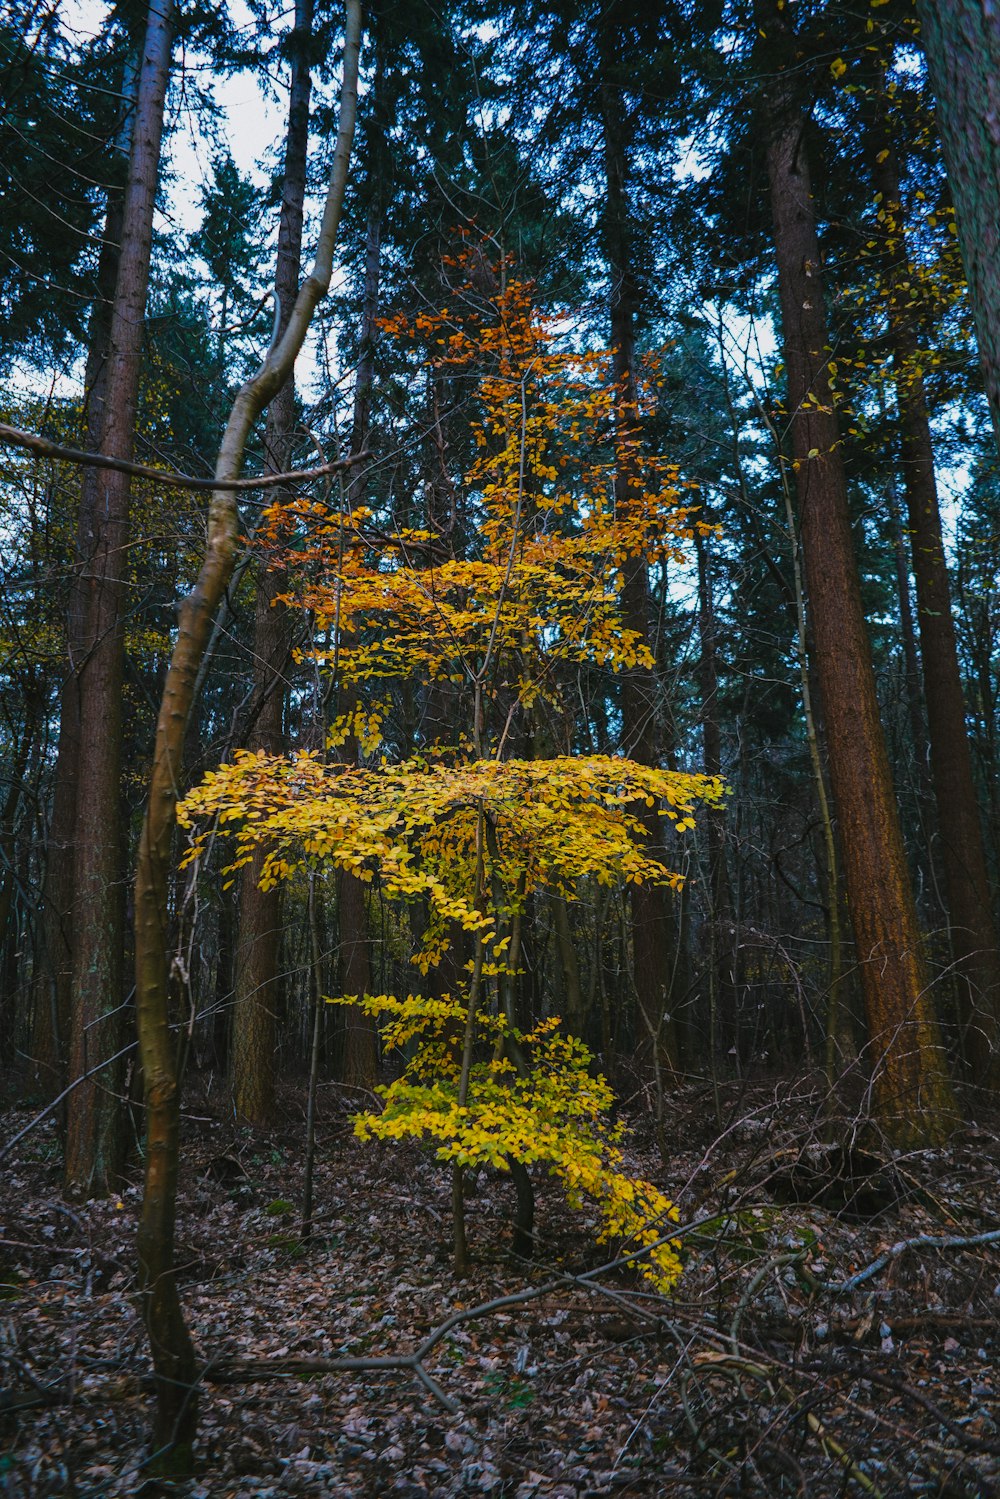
(962, 42)
(360, 1056)
(53, 988)
(258, 947)
(94, 1134)
(963, 855)
(174, 1359)
(911, 1092)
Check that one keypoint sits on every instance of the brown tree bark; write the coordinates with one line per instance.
(258, 947)
(360, 1057)
(911, 1092)
(962, 42)
(94, 1134)
(53, 987)
(657, 1036)
(721, 955)
(174, 1360)
(963, 856)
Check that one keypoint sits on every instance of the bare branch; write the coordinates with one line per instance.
(170, 478)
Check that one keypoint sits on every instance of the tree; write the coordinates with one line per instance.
(911, 1088)
(974, 938)
(471, 834)
(51, 1031)
(962, 42)
(258, 943)
(227, 239)
(61, 105)
(640, 691)
(170, 1343)
(93, 1138)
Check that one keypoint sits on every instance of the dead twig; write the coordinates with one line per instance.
(921, 1241)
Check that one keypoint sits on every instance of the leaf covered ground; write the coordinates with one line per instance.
(763, 1374)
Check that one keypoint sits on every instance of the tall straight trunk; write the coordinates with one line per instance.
(657, 1035)
(962, 42)
(53, 987)
(94, 1134)
(360, 1056)
(963, 856)
(360, 1060)
(911, 1092)
(721, 955)
(174, 1359)
(258, 946)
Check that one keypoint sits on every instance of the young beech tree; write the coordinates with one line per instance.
(465, 836)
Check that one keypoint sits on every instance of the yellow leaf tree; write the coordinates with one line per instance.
(465, 834)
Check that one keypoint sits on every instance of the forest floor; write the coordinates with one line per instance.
(763, 1374)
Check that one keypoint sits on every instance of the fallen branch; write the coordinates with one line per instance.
(922, 1241)
(43, 448)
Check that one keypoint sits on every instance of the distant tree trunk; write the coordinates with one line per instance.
(908, 634)
(360, 1059)
(575, 1018)
(258, 946)
(656, 1031)
(174, 1358)
(94, 1135)
(962, 42)
(912, 1094)
(53, 987)
(8, 870)
(963, 855)
(721, 955)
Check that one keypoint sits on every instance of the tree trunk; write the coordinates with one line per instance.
(360, 1057)
(575, 1018)
(912, 1094)
(53, 990)
(962, 42)
(721, 956)
(258, 948)
(173, 1354)
(94, 1134)
(963, 855)
(9, 964)
(656, 1032)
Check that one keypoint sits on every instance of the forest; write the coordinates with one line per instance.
(500, 748)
